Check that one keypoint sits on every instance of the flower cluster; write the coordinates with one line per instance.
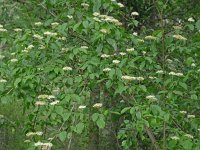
(179, 37)
(176, 74)
(150, 37)
(98, 17)
(98, 105)
(130, 49)
(116, 61)
(17, 30)
(43, 144)
(34, 133)
(37, 36)
(50, 33)
(152, 98)
(2, 29)
(106, 69)
(3, 81)
(130, 78)
(38, 23)
(67, 68)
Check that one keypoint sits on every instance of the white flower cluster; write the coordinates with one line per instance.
(120, 5)
(34, 133)
(160, 72)
(175, 138)
(37, 36)
(43, 144)
(104, 31)
(105, 56)
(177, 27)
(69, 16)
(190, 116)
(3, 81)
(152, 98)
(191, 19)
(98, 105)
(38, 23)
(183, 112)
(14, 60)
(130, 78)
(50, 33)
(84, 47)
(54, 102)
(18, 30)
(54, 24)
(179, 37)
(151, 77)
(82, 107)
(122, 53)
(134, 13)
(189, 136)
(2, 29)
(106, 69)
(106, 18)
(150, 37)
(130, 49)
(85, 5)
(176, 74)
(116, 61)
(40, 103)
(67, 68)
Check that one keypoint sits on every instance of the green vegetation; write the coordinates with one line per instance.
(99, 75)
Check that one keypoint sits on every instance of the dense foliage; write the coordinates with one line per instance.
(100, 74)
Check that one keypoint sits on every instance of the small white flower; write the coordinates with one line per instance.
(130, 49)
(12, 54)
(85, 5)
(176, 74)
(122, 53)
(82, 107)
(150, 77)
(183, 112)
(106, 70)
(50, 33)
(54, 102)
(104, 31)
(152, 98)
(96, 14)
(97, 19)
(38, 23)
(193, 65)
(67, 68)
(37, 36)
(17, 30)
(189, 136)
(40, 103)
(105, 56)
(14, 60)
(69, 16)
(191, 19)
(175, 138)
(120, 5)
(43, 144)
(97, 105)
(27, 141)
(1, 26)
(84, 47)
(179, 37)
(25, 51)
(43, 96)
(65, 49)
(34, 133)
(150, 37)
(116, 61)
(134, 13)
(190, 116)
(30, 47)
(135, 33)
(3, 30)
(54, 24)
(160, 72)
(3, 81)
(51, 97)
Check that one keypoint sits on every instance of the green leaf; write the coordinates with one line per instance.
(198, 25)
(17, 81)
(113, 43)
(101, 123)
(59, 110)
(95, 116)
(125, 110)
(183, 85)
(79, 128)
(62, 136)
